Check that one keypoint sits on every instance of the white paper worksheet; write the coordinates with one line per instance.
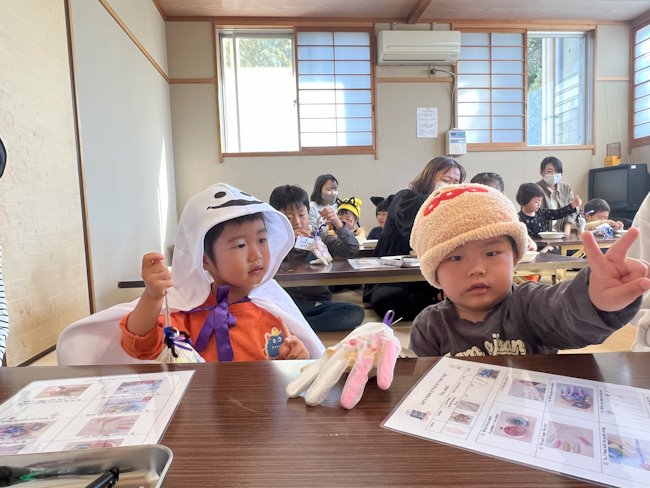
(92, 412)
(589, 429)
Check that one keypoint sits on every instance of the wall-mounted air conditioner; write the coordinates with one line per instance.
(418, 47)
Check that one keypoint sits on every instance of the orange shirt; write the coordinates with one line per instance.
(255, 327)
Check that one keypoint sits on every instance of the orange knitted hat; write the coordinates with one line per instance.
(457, 214)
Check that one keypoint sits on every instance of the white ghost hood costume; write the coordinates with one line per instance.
(96, 339)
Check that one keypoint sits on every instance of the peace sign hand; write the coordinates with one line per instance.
(616, 280)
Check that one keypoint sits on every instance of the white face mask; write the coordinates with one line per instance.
(329, 198)
(553, 179)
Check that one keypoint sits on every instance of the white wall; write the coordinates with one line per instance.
(400, 154)
(126, 142)
(40, 206)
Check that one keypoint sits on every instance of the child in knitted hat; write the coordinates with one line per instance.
(468, 240)
(350, 212)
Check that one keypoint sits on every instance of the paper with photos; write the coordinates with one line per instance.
(588, 429)
(81, 413)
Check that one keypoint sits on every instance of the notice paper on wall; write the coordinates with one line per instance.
(427, 122)
(92, 412)
(588, 429)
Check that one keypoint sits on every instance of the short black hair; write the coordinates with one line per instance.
(557, 164)
(596, 205)
(287, 196)
(213, 234)
(318, 187)
(381, 203)
(527, 192)
(343, 211)
(489, 178)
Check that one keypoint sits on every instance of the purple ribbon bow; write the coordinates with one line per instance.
(218, 322)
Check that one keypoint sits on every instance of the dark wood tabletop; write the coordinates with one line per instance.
(236, 427)
(340, 272)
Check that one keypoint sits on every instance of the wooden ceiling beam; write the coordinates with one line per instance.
(418, 11)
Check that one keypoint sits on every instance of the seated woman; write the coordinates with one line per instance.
(557, 194)
(408, 299)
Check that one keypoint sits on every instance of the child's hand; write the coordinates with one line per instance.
(331, 217)
(616, 280)
(293, 348)
(576, 202)
(615, 225)
(301, 231)
(531, 245)
(156, 275)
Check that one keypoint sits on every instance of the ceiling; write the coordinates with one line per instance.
(411, 10)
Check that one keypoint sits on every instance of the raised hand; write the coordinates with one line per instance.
(616, 280)
(156, 275)
(369, 348)
(331, 217)
(576, 202)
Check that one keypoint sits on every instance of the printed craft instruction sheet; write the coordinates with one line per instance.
(93, 412)
(589, 429)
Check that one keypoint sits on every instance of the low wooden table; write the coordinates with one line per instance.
(339, 272)
(574, 243)
(236, 427)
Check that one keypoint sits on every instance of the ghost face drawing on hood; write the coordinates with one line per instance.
(252, 249)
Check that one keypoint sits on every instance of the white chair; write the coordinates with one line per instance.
(95, 339)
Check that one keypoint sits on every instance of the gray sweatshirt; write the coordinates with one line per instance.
(532, 319)
(343, 245)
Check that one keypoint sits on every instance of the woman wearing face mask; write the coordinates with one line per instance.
(325, 193)
(557, 194)
(408, 299)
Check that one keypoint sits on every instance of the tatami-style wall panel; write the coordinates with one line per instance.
(40, 208)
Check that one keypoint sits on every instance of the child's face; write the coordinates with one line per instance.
(348, 219)
(602, 215)
(477, 276)
(298, 215)
(533, 205)
(241, 256)
(381, 218)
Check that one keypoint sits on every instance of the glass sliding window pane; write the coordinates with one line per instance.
(508, 95)
(514, 53)
(499, 39)
(316, 67)
(507, 122)
(315, 38)
(507, 81)
(315, 52)
(642, 90)
(258, 117)
(642, 48)
(478, 136)
(473, 109)
(559, 100)
(508, 109)
(507, 67)
(474, 122)
(352, 38)
(641, 131)
(642, 104)
(474, 39)
(508, 136)
(354, 110)
(469, 95)
(473, 81)
(642, 34)
(642, 62)
(349, 108)
(642, 117)
(474, 53)
(641, 75)
(473, 67)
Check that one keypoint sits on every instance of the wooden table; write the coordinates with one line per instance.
(236, 427)
(574, 243)
(339, 272)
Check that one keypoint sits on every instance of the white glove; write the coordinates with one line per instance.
(368, 350)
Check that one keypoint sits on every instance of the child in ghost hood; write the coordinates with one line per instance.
(221, 291)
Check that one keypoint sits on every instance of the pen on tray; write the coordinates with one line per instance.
(106, 480)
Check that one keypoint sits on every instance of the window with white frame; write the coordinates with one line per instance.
(641, 86)
(272, 101)
(526, 88)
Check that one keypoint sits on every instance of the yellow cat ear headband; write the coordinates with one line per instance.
(351, 204)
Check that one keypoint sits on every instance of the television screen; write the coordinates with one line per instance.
(611, 186)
